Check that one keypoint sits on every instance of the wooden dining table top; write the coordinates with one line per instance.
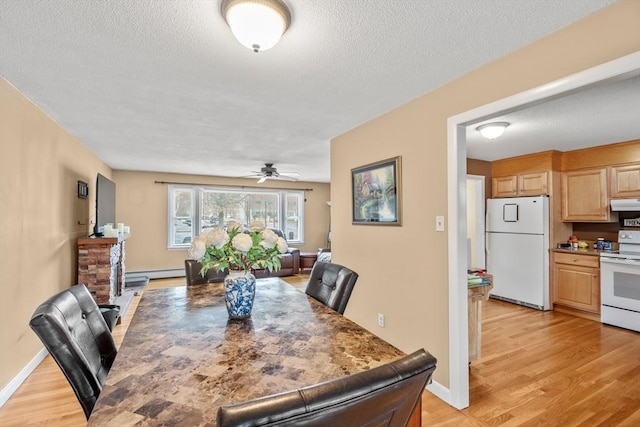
(182, 357)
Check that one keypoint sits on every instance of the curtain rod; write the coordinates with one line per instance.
(230, 185)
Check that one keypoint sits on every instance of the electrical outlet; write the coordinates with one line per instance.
(381, 320)
(440, 223)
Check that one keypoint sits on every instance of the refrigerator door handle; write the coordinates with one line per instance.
(510, 212)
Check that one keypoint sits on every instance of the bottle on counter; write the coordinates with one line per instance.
(600, 243)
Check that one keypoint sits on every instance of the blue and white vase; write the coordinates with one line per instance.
(239, 292)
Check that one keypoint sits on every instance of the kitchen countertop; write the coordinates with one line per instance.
(581, 251)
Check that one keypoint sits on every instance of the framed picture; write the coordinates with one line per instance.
(376, 190)
(83, 190)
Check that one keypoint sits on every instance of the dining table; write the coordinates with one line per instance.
(182, 357)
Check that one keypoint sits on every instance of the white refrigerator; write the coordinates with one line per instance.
(517, 247)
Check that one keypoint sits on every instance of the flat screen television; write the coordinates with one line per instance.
(105, 204)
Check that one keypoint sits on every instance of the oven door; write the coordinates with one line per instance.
(620, 283)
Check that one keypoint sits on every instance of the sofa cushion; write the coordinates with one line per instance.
(289, 265)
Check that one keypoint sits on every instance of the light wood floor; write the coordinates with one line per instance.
(537, 369)
(547, 369)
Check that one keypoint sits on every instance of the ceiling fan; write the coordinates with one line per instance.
(269, 172)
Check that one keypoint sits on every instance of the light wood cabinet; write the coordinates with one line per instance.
(585, 196)
(576, 281)
(533, 184)
(625, 181)
(526, 184)
(505, 186)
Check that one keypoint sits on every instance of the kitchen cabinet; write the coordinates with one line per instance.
(576, 279)
(505, 186)
(525, 184)
(533, 184)
(585, 196)
(625, 181)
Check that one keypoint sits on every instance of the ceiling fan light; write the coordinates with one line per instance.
(257, 24)
(492, 130)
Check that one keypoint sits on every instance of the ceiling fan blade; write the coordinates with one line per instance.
(286, 178)
(270, 172)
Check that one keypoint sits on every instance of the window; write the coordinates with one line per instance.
(181, 217)
(194, 210)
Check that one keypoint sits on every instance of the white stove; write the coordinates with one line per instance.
(620, 282)
(629, 246)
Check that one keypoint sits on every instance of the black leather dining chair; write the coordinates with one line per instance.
(382, 396)
(73, 330)
(331, 284)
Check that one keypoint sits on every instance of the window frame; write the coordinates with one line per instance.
(171, 217)
(197, 192)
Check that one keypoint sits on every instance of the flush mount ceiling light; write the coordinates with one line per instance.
(492, 130)
(257, 24)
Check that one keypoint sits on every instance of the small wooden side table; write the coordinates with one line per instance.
(307, 259)
(477, 294)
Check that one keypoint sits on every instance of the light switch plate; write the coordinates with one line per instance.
(439, 223)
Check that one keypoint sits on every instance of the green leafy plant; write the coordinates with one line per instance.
(233, 249)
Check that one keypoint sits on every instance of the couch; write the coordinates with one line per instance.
(289, 263)
(289, 266)
(192, 273)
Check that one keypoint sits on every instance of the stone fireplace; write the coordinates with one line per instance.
(101, 267)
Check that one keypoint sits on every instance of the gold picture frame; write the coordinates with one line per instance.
(376, 193)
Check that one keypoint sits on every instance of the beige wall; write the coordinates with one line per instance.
(40, 219)
(143, 205)
(403, 270)
(482, 168)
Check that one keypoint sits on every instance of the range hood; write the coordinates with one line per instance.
(621, 205)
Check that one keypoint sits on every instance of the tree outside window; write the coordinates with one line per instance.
(216, 206)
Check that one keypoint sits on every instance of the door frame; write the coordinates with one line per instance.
(617, 69)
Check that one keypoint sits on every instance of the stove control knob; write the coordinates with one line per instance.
(625, 236)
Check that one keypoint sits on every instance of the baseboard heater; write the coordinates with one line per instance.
(136, 281)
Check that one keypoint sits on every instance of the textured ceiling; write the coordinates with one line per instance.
(600, 115)
(163, 85)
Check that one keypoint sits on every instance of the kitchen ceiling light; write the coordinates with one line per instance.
(492, 130)
(257, 24)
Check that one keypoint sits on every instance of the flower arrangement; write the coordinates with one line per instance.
(233, 249)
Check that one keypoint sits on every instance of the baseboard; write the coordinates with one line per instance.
(13, 385)
(440, 391)
(578, 313)
(157, 274)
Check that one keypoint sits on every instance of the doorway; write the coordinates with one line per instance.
(475, 222)
(627, 66)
